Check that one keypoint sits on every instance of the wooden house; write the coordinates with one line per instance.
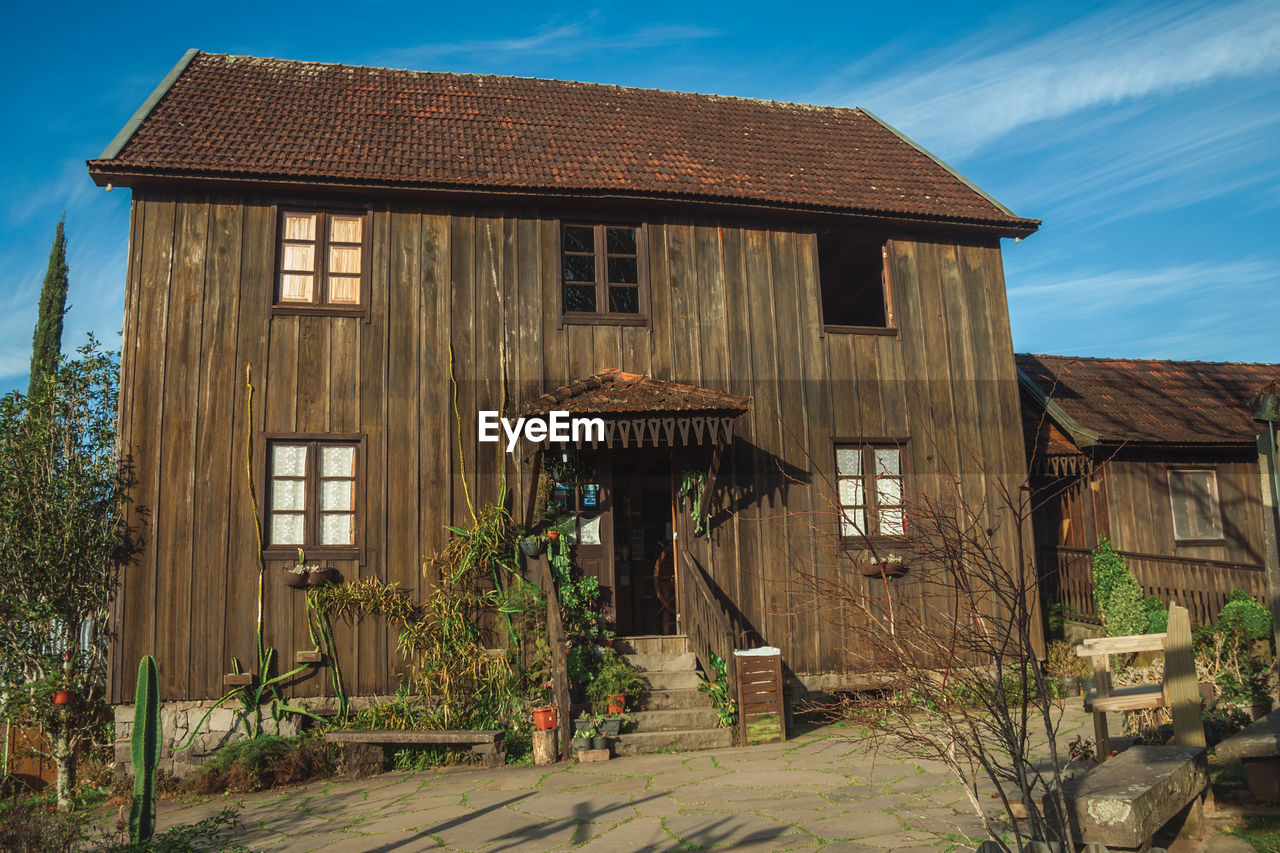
(784, 296)
(1164, 459)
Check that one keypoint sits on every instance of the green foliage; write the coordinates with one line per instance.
(1118, 595)
(29, 825)
(614, 675)
(256, 764)
(718, 690)
(46, 341)
(693, 487)
(1244, 619)
(1157, 615)
(61, 535)
(1061, 661)
(145, 751)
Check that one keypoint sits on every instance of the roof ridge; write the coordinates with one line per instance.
(617, 86)
(1146, 360)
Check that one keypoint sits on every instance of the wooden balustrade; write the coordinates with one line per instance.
(705, 623)
(1202, 586)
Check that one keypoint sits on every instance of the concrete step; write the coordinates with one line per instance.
(644, 743)
(666, 700)
(663, 663)
(674, 719)
(652, 645)
(671, 680)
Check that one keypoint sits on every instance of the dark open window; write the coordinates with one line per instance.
(603, 273)
(853, 274)
(869, 485)
(1197, 516)
(314, 494)
(321, 260)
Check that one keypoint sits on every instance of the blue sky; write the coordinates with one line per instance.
(1146, 136)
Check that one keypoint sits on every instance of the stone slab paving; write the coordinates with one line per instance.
(817, 791)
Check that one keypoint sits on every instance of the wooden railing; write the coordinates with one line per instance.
(705, 623)
(1202, 586)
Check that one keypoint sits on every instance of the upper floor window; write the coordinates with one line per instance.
(603, 273)
(853, 272)
(869, 486)
(1196, 513)
(322, 259)
(313, 499)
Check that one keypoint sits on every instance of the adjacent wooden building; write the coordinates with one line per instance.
(797, 299)
(1161, 457)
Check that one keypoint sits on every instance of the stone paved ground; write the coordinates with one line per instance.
(816, 791)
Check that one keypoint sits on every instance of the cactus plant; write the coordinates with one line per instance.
(145, 750)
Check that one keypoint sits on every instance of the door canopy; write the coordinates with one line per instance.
(640, 411)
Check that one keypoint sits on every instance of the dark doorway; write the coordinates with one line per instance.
(643, 547)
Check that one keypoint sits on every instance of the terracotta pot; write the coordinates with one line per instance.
(293, 579)
(553, 536)
(892, 570)
(544, 719)
(320, 578)
(617, 703)
(63, 697)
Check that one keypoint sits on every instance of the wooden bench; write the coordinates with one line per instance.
(1178, 691)
(1258, 748)
(1124, 802)
(362, 750)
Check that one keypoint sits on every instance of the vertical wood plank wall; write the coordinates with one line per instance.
(733, 306)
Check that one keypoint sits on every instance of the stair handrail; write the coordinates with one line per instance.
(705, 623)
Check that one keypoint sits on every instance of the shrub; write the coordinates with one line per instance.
(1243, 619)
(1157, 615)
(1108, 569)
(263, 762)
(31, 825)
(1125, 613)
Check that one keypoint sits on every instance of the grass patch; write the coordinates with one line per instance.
(1261, 831)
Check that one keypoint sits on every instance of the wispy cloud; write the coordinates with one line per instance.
(551, 40)
(966, 95)
(1196, 310)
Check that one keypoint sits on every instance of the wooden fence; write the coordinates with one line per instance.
(1201, 586)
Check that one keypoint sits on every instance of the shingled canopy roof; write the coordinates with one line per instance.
(269, 120)
(614, 392)
(1150, 402)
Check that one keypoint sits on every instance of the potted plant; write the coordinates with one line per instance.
(530, 546)
(63, 697)
(545, 718)
(294, 576)
(584, 734)
(890, 566)
(615, 683)
(611, 725)
(320, 575)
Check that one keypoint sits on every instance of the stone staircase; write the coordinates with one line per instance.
(673, 714)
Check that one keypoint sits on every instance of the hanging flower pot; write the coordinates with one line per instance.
(530, 546)
(321, 576)
(293, 577)
(889, 568)
(544, 719)
(553, 536)
(63, 697)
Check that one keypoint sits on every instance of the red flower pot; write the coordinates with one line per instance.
(553, 536)
(544, 719)
(617, 703)
(63, 697)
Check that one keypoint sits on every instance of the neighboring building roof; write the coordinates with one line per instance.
(237, 117)
(614, 392)
(1149, 402)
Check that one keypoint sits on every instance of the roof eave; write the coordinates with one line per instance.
(1082, 436)
(131, 126)
(106, 173)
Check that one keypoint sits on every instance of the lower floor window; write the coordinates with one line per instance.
(313, 493)
(1194, 495)
(869, 487)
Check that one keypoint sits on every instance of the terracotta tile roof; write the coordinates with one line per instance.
(277, 120)
(614, 392)
(1154, 402)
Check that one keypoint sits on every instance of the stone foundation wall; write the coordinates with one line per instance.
(177, 719)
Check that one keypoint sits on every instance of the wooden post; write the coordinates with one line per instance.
(1102, 683)
(1180, 679)
(545, 747)
(1270, 527)
(555, 636)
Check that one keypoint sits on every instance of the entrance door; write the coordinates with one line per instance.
(643, 548)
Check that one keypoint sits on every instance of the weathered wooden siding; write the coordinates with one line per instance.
(733, 306)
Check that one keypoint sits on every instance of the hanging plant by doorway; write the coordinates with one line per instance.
(693, 486)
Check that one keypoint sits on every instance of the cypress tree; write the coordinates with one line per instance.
(46, 343)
